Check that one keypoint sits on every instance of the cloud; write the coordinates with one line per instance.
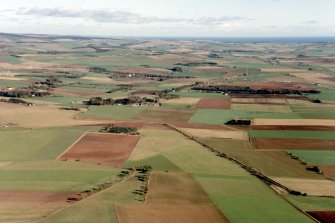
(310, 22)
(122, 16)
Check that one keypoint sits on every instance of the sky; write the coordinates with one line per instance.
(185, 18)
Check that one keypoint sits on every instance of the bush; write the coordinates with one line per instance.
(119, 130)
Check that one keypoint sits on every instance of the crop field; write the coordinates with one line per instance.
(292, 144)
(272, 163)
(313, 187)
(98, 208)
(168, 155)
(244, 199)
(294, 122)
(328, 171)
(101, 148)
(323, 216)
(213, 103)
(315, 157)
(293, 127)
(169, 213)
(111, 112)
(261, 108)
(270, 101)
(165, 115)
(211, 116)
(207, 133)
(310, 203)
(37, 144)
(175, 188)
(291, 134)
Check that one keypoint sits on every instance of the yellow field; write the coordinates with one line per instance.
(262, 108)
(293, 122)
(309, 186)
(39, 116)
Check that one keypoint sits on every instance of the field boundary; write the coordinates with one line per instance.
(65, 151)
(249, 169)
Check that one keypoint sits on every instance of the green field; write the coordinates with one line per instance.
(211, 116)
(244, 199)
(98, 208)
(10, 59)
(315, 156)
(310, 203)
(271, 163)
(183, 153)
(53, 175)
(47, 143)
(112, 112)
(288, 134)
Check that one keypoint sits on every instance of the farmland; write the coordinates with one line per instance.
(145, 130)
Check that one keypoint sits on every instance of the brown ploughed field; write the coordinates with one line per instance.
(328, 171)
(102, 148)
(287, 144)
(214, 103)
(323, 216)
(26, 197)
(147, 213)
(172, 198)
(175, 188)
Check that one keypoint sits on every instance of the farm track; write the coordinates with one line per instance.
(249, 169)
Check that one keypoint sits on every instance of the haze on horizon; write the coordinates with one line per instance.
(196, 18)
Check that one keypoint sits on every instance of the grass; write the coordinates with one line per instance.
(247, 200)
(98, 208)
(112, 112)
(211, 116)
(47, 143)
(315, 156)
(288, 134)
